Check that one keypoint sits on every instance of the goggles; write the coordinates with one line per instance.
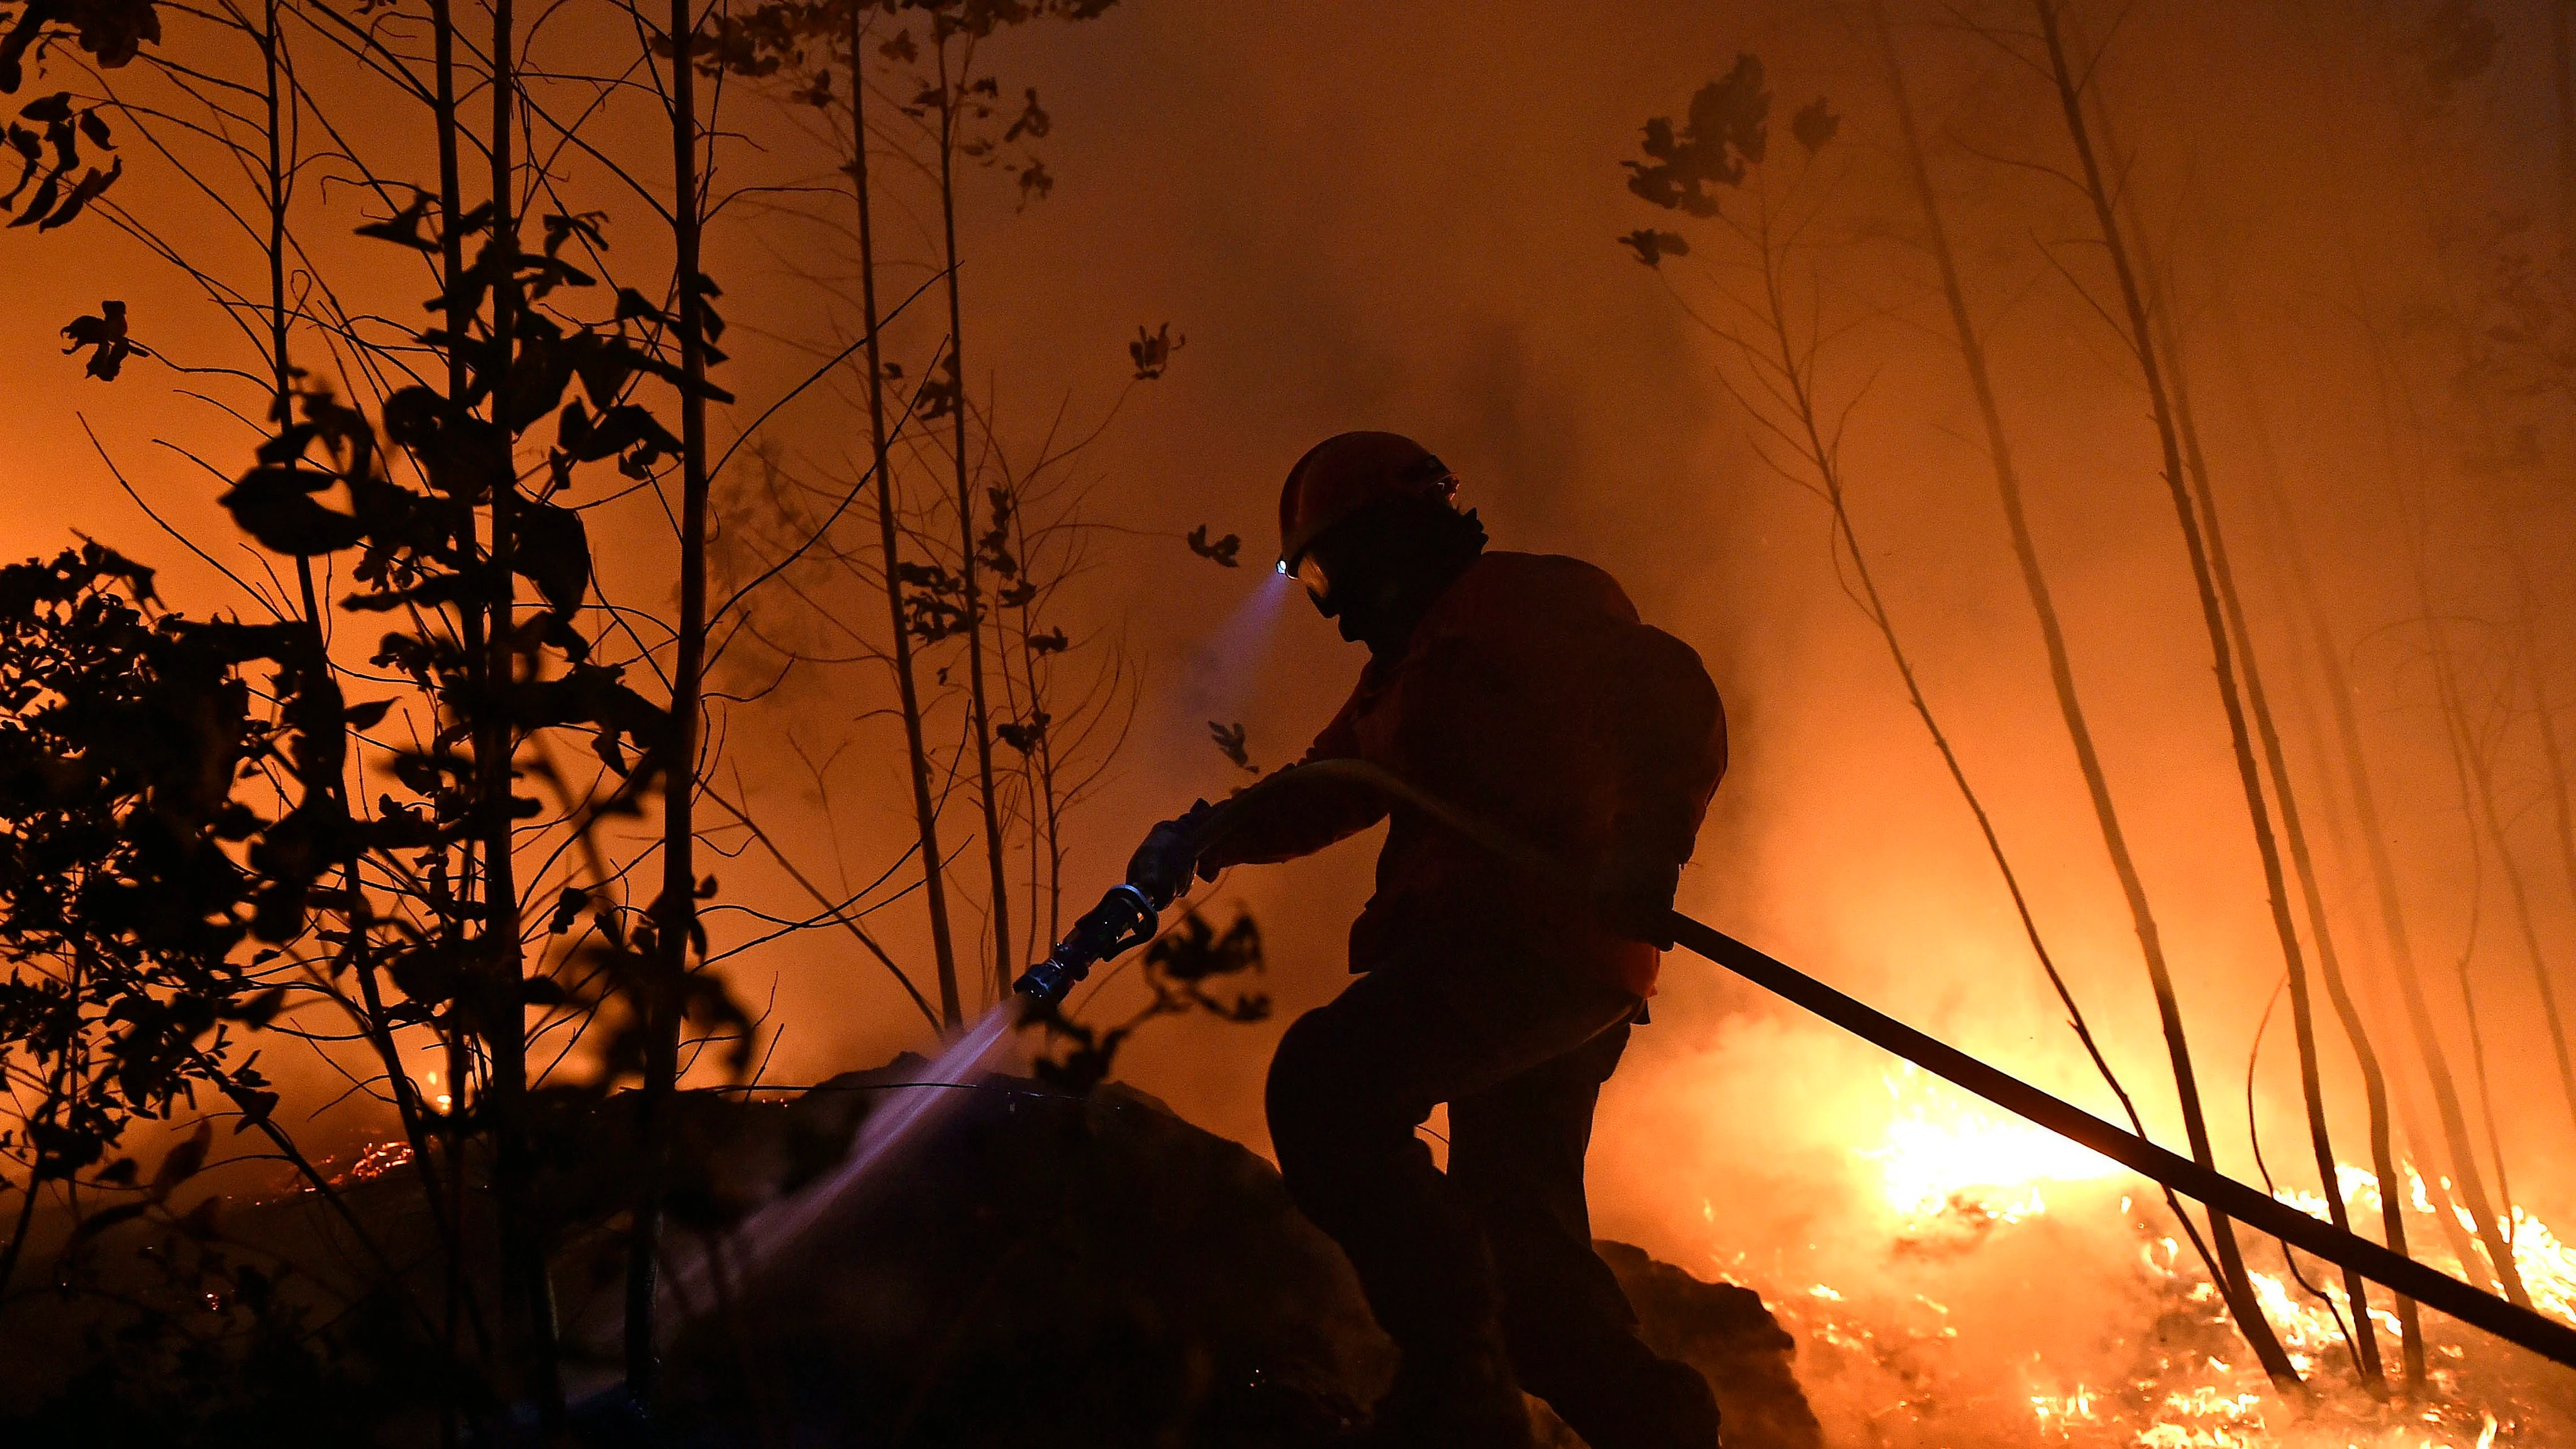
(1310, 572)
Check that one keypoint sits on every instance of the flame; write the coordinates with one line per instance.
(378, 1159)
(1944, 1149)
(1967, 1179)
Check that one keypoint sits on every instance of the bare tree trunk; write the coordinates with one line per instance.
(2419, 1017)
(2365, 1339)
(2446, 1096)
(982, 721)
(2469, 769)
(529, 1292)
(1042, 764)
(44, 1113)
(460, 1301)
(676, 920)
(2562, 800)
(2231, 1286)
(1795, 379)
(2446, 1211)
(2528, 650)
(2267, 1347)
(925, 812)
(280, 180)
(279, 186)
(1011, 637)
(2479, 773)
(2374, 1078)
(2465, 1170)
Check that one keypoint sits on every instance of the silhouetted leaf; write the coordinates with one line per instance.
(1725, 131)
(48, 191)
(100, 1221)
(1814, 125)
(403, 227)
(1033, 121)
(182, 1161)
(1024, 735)
(568, 909)
(1653, 246)
(275, 504)
(1152, 352)
(1229, 742)
(553, 553)
(256, 1105)
(260, 1010)
(107, 333)
(1223, 552)
(88, 190)
(31, 155)
(1036, 183)
(561, 227)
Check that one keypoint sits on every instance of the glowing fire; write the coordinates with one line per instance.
(1966, 1187)
(1944, 1149)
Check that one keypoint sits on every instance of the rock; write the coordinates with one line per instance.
(1722, 1330)
(1049, 1269)
(1042, 1269)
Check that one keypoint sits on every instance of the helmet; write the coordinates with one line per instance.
(1346, 474)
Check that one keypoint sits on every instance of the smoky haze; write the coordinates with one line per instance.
(1364, 220)
(1405, 217)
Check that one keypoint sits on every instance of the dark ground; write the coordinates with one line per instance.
(1038, 1269)
(1099, 1272)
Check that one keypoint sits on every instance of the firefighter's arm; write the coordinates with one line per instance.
(1286, 814)
(1292, 812)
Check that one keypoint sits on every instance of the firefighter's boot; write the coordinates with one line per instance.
(1467, 1402)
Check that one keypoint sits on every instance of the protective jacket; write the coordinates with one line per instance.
(1530, 696)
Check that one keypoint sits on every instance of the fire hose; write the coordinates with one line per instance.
(1127, 918)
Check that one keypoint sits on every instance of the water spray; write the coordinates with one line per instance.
(1125, 919)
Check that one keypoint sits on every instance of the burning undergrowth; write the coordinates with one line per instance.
(1963, 1277)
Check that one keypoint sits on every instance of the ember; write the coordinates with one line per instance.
(2134, 1347)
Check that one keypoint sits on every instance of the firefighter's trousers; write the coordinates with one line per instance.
(1497, 1252)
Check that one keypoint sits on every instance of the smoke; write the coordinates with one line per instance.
(1405, 221)
(1403, 217)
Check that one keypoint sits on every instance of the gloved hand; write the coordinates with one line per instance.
(1633, 893)
(1162, 866)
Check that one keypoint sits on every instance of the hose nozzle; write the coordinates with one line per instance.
(1125, 918)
